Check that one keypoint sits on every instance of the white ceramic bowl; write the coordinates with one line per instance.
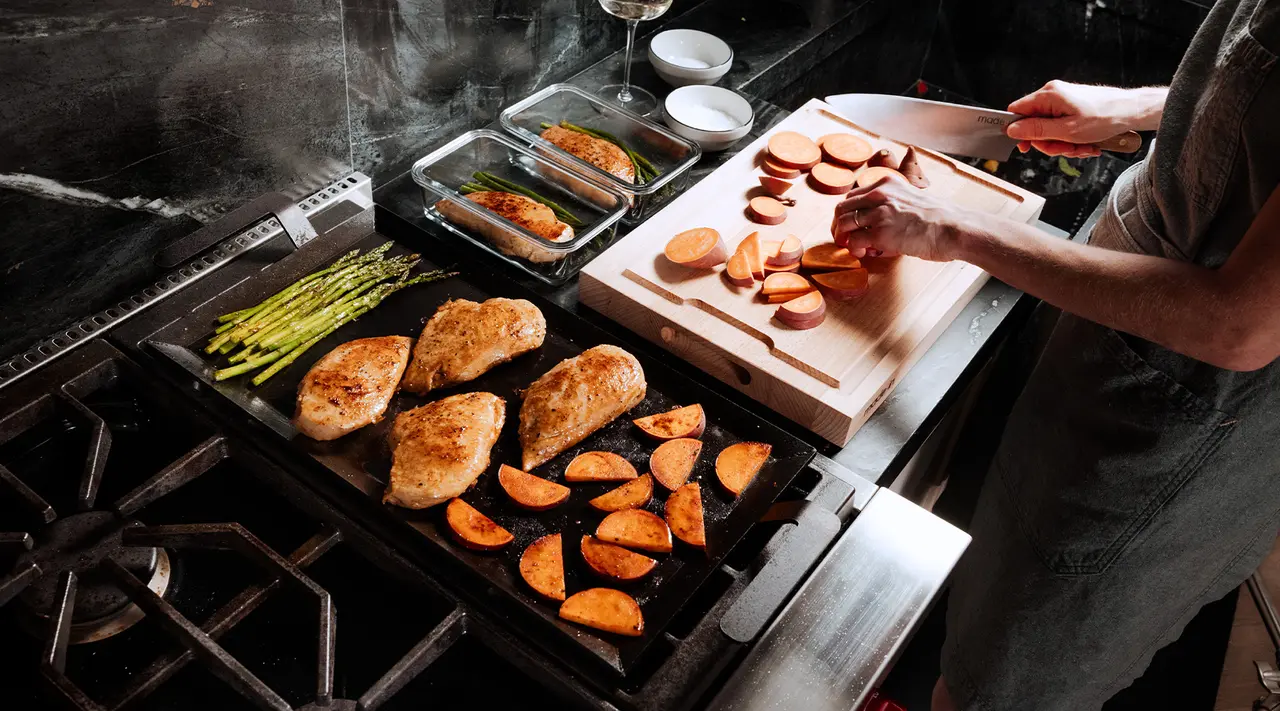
(713, 117)
(684, 57)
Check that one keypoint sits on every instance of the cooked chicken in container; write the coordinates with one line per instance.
(351, 386)
(517, 209)
(440, 449)
(575, 398)
(463, 340)
(596, 151)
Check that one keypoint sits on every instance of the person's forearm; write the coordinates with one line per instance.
(1179, 305)
(1148, 106)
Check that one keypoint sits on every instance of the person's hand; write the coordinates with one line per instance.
(892, 217)
(1066, 119)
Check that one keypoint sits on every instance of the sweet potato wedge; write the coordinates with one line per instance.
(672, 462)
(738, 270)
(843, 285)
(785, 253)
(911, 169)
(615, 562)
(599, 466)
(542, 567)
(473, 529)
(631, 495)
(846, 149)
(750, 246)
(687, 421)
(778, 170)
(785, 283)
(883, 158)
(684, 515)
(739, 463)
(781, 298)
(829, 257)
(803, 312)
(605, 609)
(699, 248)
(777, 187)
(831, 179)
(529, 491)
(766, 210)
(635, 528)
(870, 176)
(793, 149)
(769, 269)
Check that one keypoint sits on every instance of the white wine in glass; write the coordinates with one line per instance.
(633, 11)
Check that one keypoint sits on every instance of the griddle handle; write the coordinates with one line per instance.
(816, 528)
(274, 204)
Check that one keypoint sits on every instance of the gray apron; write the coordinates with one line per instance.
(1133, 485)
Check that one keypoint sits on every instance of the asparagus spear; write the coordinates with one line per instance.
(645, 170)
(495, 183)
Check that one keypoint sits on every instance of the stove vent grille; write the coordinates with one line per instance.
(67, 339)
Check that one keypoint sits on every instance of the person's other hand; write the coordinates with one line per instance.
(1066, 119)
(892, 217)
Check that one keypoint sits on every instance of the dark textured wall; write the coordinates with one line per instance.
(997, 50)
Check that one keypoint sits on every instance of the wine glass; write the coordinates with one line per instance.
(630, 97)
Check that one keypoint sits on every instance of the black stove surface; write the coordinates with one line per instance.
(112, 488)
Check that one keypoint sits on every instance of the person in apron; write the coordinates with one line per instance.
(1138, 477)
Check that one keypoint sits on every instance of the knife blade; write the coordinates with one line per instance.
(946, 128)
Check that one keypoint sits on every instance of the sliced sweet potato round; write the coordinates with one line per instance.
(635, 528)
(615, 562)
(599, 466)
(698, 248)
(739, 463)
(829, 256)
(785, 283)
(770, 269)
(605, 609)
(786, 253)
(529, 491)
(542, 567)
(846, 149)
(794, 149)
(687, 421)
(777, 187)
(672, 462)
(684, 515)
(831, 179)
(778, 170)
(844, 285)
(631, 495)
(473, 529)
(766, 210)
(803, 312)
(870, 176)
(782, 298)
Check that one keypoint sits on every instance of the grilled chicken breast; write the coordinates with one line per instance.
(351, 386)
(596, 151)
(525, 212)
(440, 449)
(575, 398)
(463, 340)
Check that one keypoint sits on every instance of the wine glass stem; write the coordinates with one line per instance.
(624, 96)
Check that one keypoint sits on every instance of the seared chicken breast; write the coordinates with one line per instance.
(575, 398)
(440, 449)
(463, 340)
(351, 386)
(525, 212)
(596, 151)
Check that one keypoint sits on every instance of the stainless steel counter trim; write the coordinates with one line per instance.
(836, 639)
(356, 188)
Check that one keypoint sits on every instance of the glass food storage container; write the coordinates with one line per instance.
(670, 155)
(546, 249)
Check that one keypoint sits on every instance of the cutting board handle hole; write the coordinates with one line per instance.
(742, 374)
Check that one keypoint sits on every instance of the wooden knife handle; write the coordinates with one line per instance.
(1128, 142)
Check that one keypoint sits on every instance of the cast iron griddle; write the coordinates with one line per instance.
(362, 459)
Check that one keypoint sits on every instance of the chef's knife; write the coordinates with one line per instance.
(947, 128)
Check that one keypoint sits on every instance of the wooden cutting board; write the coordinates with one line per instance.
(830, 378)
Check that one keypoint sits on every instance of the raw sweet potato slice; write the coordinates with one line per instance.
(846, 149)
(870, 176)
(770, 269)
(766, 210)
(883, 158)
(911, 169)
(615, 562)
(699, 248)
(803, 312)
(778, 170)
(529, 491)
(793, 149)
(831, 179)
(739, 463)
(635, 528)
(631, 495)
(599, 466)
(672, 462)
(684, 515)
(829, 257)
(842, 286)
(605, 609)
(784, 283)
(785, 253)
(473, 529)
(542, 567)
(750, 246)
(687, 421)
(777, 187)
(738, 270)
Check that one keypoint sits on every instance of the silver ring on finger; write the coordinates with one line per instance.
(856, 223)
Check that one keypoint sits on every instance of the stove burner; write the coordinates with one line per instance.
(80, 543)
